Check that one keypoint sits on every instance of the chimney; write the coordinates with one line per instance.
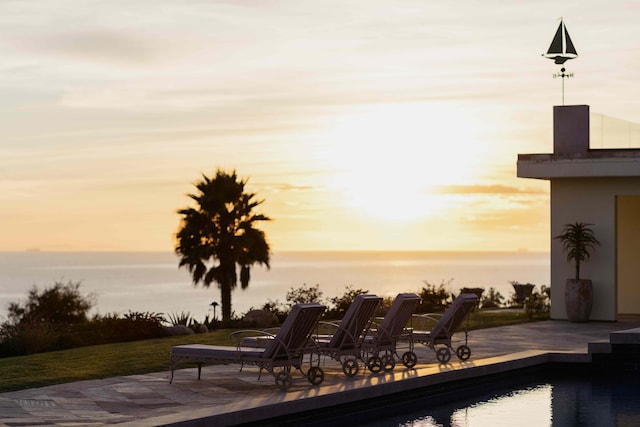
(570, 129)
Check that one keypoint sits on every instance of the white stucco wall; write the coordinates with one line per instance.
(591, 200)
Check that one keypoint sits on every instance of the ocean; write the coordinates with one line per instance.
(151, 281)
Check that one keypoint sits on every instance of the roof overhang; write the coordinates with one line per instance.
(594, 163)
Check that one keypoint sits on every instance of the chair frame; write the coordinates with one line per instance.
(345, 342)
(385, 336)
(285, 350)
(439, 338)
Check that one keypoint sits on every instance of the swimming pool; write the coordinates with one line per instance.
(558, 395)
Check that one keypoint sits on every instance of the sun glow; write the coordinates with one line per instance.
(389, 159)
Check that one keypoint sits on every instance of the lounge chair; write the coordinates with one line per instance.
(384, 338)
(446, 326)
(344, 342)
(284, 350)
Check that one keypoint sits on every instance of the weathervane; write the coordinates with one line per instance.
(561, 50)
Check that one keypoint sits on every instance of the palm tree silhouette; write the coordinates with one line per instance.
(219, 235)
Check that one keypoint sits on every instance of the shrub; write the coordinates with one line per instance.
(277, 308)
(60, 304)
(304, 294)
(434, 299)
(493, 299)
(182, 318)
(56, 319)
(39, 324)
(342, 303)
(538, 302)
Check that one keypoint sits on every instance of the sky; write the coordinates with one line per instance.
(362, 124)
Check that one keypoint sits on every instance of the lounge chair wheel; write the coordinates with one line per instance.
(374, 363)
(283, 380)
(350, 367)
(315, 375)
(463, 352)
(443, 354)
(388, 362)
(409, 359)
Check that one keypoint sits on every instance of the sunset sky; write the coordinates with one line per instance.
(364, 124)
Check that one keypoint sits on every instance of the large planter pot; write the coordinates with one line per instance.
(523, 291)
(578, 299)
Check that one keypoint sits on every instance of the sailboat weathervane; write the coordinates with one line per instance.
(561, 50)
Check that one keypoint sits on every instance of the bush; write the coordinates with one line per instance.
(277, 308)
(60, 304)
(56, 319)
(304, 294)
(493, 299)
(39, 324)
(434, 299)
(538, 302)
(342, 303)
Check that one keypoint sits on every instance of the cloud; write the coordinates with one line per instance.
(487, 189)
(105, 46)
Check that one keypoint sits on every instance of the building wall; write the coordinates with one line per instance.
(628, 236)
(591, 200)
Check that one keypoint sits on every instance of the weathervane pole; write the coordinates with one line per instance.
(563, 75)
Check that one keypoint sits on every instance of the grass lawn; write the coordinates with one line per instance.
(140, 357)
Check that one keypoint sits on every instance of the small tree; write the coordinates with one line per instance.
(433, 299)
(577, 240)
(304, 294)
(60, 304)
(40, 323)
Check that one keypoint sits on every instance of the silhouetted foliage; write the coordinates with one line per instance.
(56, 318)
(493, 299)
(37, 324)
(434, 299)
(60, 304)
(304, 294)
(342, 303)
(183, 318)
(220, 234)
(538, 302)
(276, 307)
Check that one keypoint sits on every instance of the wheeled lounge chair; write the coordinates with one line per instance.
(344, 342)
(439, 338)
(285, 350)
(380, 348)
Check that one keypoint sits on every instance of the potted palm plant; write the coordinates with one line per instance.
(578, 240)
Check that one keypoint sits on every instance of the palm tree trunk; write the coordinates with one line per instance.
(225, 297)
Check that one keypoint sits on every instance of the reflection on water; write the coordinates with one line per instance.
(531, 406)
(581, 400)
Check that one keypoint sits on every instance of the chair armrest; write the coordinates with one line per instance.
(241, 336)
(422, 321)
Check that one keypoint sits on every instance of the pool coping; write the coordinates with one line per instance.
(316, 398)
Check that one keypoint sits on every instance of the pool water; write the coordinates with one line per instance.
(558, 400)
(533, 397)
